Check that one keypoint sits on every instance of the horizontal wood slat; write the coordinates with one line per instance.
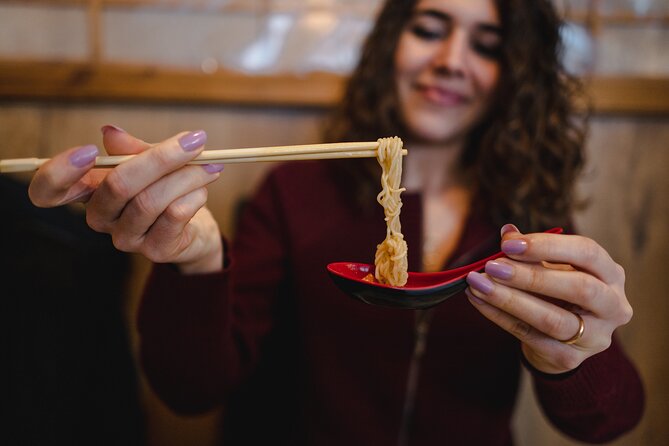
(117, 82)
(80, 81)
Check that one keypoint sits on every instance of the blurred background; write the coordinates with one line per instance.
(260, 73)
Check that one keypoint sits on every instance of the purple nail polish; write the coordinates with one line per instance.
(106, 128)
(508, 228)
(213, 168)
(515, 246)
(479, 282)
(193, 140)
(499, 270)
(83, 156)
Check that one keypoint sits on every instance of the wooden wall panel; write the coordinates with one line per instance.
(627, 184)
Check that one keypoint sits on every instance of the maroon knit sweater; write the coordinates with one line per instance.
(293, 360)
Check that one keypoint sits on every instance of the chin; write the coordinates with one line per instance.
(435, 132)
(438, 128)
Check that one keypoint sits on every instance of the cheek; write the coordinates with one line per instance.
(410, 56)
(403, 58)
(487, 78)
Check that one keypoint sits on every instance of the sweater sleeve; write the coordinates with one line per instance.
(183, 323)
(201, 335)
(596, 403)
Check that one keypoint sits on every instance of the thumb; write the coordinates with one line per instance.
(509, 231)
(119, 142)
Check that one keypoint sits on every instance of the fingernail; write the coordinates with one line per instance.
(83, 156)
(479, 282)
(106, 128)
(515, 246)
(499, 270)
(213, 168)
(193, 140)
(473, 298)
(508, 228)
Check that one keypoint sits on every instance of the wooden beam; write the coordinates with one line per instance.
(78, 81)
(106, 82)
(621, 19)
(629, 94)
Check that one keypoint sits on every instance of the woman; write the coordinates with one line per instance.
(475, 89)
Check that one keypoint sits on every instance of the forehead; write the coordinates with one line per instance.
(464, 11)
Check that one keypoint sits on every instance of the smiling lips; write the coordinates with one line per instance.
(441, 96)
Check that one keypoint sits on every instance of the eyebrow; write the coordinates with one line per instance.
(445, 17)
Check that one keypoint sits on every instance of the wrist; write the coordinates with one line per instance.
(211, 263)
(537, 366)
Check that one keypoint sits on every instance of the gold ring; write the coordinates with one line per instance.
(579, 333)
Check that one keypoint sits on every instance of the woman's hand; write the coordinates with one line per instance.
(153, 204)
(538, 293)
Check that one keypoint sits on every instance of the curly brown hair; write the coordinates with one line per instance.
(526, 153)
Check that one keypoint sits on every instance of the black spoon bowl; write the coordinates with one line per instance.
(422, 290)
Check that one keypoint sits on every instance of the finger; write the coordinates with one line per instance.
(581, 252)
(518, 328)
(119, 142)
(173, 224)
(539, 314)
(65, 178)
(576, 287)
(542, 351)
(142, 211)
(129, 178)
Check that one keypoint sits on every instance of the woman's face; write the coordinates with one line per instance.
(446, 67)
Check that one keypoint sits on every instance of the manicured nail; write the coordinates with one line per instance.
(515, 246)
(108, 127)
(479, 282)
(193, 140)
(213, 168)
(499, 270)
(83, 156)
(473, 298)
(508, 228)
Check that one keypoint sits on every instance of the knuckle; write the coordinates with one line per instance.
(521, 329)
(116, 184)
(163, 157)
(553, 323)
(626, 313)
(95, 223)
(156, 250)
(620, 272)
(182, 210)
(199, 197)
(122, 242)
(605, 343)
(591, 251)
(145, 203)
(534, 279)
(567, 359)
(177, 212)
(154, 254)
(587, 290)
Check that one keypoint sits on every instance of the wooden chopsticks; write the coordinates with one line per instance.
(231, 156)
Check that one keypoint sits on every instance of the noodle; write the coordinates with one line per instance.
(391, 254)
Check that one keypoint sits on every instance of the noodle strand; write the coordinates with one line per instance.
(391, 254)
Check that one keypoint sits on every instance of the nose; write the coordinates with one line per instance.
(451, 56)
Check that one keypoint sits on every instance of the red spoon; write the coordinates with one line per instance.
(422, 290)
